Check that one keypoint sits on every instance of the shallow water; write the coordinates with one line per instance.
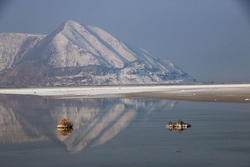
(122, 132)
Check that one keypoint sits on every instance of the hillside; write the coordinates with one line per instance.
(75, 55)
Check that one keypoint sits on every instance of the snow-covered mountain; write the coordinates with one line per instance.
(80, 55)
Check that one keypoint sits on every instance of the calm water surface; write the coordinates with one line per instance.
(122, 132)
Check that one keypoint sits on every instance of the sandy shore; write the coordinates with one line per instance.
(219, 93)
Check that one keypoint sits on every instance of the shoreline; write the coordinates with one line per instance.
(215, 92)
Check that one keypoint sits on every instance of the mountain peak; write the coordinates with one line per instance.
(73, 25)
(71, 22)
(81, 55)
(67, 26)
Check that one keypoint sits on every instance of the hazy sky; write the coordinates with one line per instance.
(209, 39)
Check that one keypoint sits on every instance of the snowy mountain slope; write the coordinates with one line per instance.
(13, 46)
(80, 55)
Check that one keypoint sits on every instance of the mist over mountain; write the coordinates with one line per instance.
(75, 55)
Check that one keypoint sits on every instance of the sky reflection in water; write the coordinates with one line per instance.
(122, 132)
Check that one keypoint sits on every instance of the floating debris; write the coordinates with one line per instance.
(179, 126)
(64, 127)
(247, 99)
(64, 132)
(64, 124)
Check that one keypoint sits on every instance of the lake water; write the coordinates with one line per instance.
(122, 132)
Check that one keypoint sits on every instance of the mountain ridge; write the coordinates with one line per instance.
(75, 55)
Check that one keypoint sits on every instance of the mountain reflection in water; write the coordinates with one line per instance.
(96, 121)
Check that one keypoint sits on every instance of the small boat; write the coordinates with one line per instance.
(179, 126)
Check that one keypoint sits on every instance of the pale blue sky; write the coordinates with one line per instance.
(209, 39)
